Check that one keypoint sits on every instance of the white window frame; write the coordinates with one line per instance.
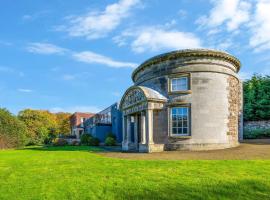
(178, 78)
(188, 122)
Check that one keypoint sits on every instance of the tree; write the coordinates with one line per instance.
(257, 98)
(63, 123)
(40, 124)
(12, 131)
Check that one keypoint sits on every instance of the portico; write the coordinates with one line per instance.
(138, 105)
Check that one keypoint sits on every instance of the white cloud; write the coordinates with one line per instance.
(116, 94)
(25, 90)
(73, 109)
(68, 77)
(95, 25)
(157, 38)
(6, 69)
(45, 48)
(245, 75)
(260, 26)
(232, 13)
(91, 57)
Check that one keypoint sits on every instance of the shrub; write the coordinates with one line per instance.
(94, 141)
(110, 140)
(256, 133)
(111, 135)
(59, 142)
(87, 139)
(75, 143)
(12, 131)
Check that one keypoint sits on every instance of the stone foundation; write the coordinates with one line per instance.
(199, 147)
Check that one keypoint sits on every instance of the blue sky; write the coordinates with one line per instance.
(78, 55)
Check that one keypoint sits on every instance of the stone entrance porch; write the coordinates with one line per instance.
(138, 105)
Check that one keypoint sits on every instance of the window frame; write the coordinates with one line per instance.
(179, 76)
(188, 121)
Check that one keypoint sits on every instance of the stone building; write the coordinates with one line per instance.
(187, 99)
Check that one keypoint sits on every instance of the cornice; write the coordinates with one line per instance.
(200, 53)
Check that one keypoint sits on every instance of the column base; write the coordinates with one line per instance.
(150, 148)
(129, 146)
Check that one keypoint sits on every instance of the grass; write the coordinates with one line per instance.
(81, 173)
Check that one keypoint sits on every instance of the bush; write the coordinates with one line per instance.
(94, 141)
(75, 143)
(59, 142)
(87, 139)
(256, 133)
(111, 135)
(110, 140)
(12, 131)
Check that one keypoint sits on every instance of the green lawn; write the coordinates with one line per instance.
(80, 173)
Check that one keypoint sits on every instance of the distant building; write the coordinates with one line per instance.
(77, 123)
(107, 121)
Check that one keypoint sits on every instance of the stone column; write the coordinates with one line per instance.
(136, 130)
(124, 129)
(143, 128)
(128, 129)
(149, 125)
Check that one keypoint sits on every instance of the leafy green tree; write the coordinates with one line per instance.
(257, 98)
(12, 131)
(40, 124)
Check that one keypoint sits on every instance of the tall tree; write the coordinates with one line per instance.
(63, 123)
(40, 124)
(12, 131)
(257, 98)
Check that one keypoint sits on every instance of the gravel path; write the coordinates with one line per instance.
(248, 150)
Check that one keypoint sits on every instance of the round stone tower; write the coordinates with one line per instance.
(191, 99)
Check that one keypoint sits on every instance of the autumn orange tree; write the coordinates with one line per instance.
(41, 125)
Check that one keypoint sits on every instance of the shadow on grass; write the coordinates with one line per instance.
(65, 148)
(241, 189)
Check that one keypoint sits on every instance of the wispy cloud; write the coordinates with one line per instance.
(260, 26)
(72, 109)
(91, 57)
(25, 90)
(232, 13)
(45, 48)
(36, 15)
(157, 38)
(84, 56)
(68, 77)
(95, 25)
(5, 69)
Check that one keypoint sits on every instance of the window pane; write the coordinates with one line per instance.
(184, 130)
(174, 130)
(184, 123)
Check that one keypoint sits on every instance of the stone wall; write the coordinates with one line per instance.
(234, 107)
(257, 124)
